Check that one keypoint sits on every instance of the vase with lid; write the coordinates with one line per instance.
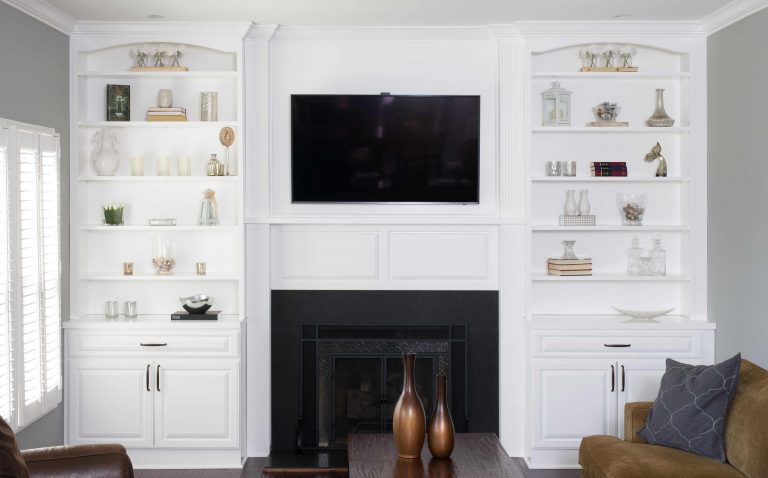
(660, 118)
(408, 420)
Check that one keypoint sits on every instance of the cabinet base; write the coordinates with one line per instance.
(153, 458)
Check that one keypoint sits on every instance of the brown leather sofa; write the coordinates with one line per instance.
(81, 461)
(746, 441)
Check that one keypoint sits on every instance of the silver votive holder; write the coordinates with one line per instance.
(111, 311)
(553, 168)
(209, 106)
(569, 168)
(130, 310)
(200, 268)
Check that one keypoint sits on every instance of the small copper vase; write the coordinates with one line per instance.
(440, 435)
(408, 420)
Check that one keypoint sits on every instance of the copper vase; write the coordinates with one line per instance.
(440, 434)
(408, 422)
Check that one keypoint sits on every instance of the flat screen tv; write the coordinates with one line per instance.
(385, 148)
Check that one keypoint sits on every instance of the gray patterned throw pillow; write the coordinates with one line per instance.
(689, 412)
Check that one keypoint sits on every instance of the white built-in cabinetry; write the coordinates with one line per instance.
(163, 402)
(581, 379)
(585, 361)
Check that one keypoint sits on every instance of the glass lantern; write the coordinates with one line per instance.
(556, 106)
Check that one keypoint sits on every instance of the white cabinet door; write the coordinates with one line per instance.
(573, 399)
(196, 403)
(110, 400)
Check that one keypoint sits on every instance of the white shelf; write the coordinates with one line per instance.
(153, 278)
(617, 228)
(127, 75)
(601, 76)
(157, 124)
(608, 179)
(609, 278)
(159, 178)
(118, 229)
(611, 129)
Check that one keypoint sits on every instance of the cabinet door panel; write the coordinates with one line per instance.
(108, 401)
(196, 404)
(572, 399)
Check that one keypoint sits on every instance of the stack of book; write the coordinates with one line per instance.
(609, 168)
(175, 113)
(569, 267)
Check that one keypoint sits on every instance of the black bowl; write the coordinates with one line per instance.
(197, 310)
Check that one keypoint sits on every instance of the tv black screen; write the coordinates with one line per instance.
(385, 148)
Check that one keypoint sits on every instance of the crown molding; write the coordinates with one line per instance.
(730, 14)
(46, 13)
(261, 32)
(607, 28)
(383, 33)
(161, 27)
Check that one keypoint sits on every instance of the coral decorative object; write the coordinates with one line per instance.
(408, 422)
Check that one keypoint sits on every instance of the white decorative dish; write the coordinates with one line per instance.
(644, 314)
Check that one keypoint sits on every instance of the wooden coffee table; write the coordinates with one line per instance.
(476, 455)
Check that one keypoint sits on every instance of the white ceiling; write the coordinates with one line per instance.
(387, 12)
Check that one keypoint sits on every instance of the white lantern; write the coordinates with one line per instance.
(556, 106)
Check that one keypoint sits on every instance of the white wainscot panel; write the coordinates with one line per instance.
(442, 255)
(304, 256)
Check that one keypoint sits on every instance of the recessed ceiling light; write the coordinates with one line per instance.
(154, 16)
(623, 15)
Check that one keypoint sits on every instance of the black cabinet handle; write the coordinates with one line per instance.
(157, 377)
(148, 390)
(623, 378)
(153, 344)
(613, 378)
(617, 345)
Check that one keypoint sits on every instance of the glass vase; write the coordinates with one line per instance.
(163, 260)
(631, 208)
(660, 118)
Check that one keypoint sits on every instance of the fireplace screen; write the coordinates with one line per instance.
(365, 391)
(358, 378)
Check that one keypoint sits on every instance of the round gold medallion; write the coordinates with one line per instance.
(227, 136)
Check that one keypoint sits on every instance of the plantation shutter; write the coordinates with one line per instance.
(35, 272)
(6, 330)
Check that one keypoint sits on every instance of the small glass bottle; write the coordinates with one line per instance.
(209, 209)
(658, 258)
(214, 166)
(633, 257)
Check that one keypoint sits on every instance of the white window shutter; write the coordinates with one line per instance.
(35, 309)
(6, 330)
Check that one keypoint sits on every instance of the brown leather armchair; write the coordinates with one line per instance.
(81, 461)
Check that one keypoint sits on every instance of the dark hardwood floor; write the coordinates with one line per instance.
(253, 469)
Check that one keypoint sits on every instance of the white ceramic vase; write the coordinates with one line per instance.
(570, 207)
(105, 160)
(584, 206)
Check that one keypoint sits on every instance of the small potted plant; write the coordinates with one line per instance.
(113, 214)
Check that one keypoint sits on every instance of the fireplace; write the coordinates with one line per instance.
(356, 376)
(337, 360)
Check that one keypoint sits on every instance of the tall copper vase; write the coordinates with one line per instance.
(441, 433)
(408, 422)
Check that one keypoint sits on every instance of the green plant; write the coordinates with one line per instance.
(113, 214)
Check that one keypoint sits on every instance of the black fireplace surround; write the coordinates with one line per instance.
(324, 340)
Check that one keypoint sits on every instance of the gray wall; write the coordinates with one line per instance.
(738, 183)
(34, 88)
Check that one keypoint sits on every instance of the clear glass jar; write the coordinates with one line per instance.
(163, 260)
(633, 257)
(209, 209)
(658, 258)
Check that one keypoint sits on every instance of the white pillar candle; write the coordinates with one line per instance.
(137, 166)
(184, 164)
(164, 166)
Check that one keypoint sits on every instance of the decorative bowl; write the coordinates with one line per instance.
(644, 314)
(196, 304)
(631, 208)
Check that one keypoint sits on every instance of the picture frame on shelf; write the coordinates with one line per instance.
(118, 103)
